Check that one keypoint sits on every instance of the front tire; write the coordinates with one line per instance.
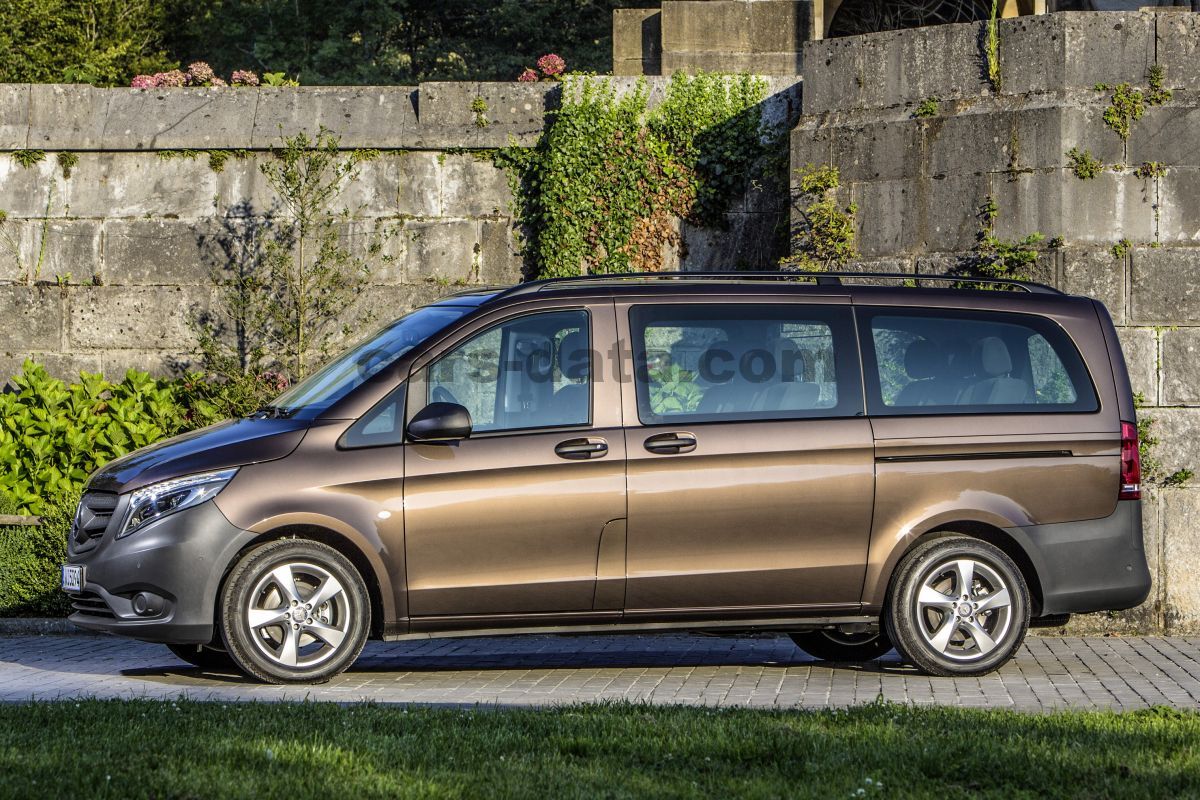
(294, 611)
(835, 645)
(957, 607)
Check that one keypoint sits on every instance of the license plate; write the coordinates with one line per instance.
(72, 578)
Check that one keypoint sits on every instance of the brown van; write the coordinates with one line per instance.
(861, 464)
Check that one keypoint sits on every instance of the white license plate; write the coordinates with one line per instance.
(72, 578)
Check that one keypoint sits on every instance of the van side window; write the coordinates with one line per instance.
(928, 362)
(711, 363)
(382, 425)
(530, 372)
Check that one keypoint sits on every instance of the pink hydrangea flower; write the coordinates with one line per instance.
(143, 82)
(528, 76)
(200, 73)
(243, 77)
(171, 79)
(217, 82)
(551, 65)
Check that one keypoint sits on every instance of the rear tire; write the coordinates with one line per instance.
(206, 657)
(294, 611)
(957, 606)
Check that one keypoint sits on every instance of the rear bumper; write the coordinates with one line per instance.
(1094, 565)
(180, 559)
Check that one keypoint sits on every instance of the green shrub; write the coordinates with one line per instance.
(53, 435)
(30, 557)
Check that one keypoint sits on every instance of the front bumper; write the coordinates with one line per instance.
(1095, 565)
(180, 559)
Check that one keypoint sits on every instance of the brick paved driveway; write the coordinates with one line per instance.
(1049, 673)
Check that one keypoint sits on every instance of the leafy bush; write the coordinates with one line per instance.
(29, 561)
(53, 435)
(687, 158)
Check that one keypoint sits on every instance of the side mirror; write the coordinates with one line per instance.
(440, 422)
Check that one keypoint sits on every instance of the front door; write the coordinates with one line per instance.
(751, 466)
(505, 527)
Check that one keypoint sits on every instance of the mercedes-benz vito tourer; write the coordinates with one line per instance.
(861, 465)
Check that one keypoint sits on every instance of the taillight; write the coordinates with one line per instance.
(1131, 464)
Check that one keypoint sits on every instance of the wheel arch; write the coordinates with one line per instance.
(343, 545)
(984, 531)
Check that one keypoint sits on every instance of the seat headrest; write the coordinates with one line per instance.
(994, 358)
(574, 357)
(924, 359)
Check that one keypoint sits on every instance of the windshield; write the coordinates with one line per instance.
(350, 370)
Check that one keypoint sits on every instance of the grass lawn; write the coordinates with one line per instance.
(157, 749)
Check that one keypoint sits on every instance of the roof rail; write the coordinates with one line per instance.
(818, 278)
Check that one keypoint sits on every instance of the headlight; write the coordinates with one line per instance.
(158, 500)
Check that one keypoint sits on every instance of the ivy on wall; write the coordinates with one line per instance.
(601, 190)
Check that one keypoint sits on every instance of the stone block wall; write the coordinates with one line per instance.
(757, 36)
(919, 182)
(128, 242)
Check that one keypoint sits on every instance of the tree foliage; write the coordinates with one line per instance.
(394, 41)
(103, 42)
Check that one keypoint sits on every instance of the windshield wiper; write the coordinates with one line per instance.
(271, 412)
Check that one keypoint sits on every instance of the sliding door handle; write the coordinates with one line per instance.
(671, 443)
(581, 448)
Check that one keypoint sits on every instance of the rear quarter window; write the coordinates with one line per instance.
(963, 362)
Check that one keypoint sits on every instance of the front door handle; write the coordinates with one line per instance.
(582, 448)
(671, 443)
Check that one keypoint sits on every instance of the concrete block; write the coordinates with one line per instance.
(1094, 272)
(1140, 347)
(1165, 134)
(373, 191)
(1178, 39)
(1037, 139)
(166, 252)
(1028, 202)
(129, 317)
(502, 262)
(71, 248)
(14, 116)
(781, 27)
(755, 63)
(1106, 47)
(836, 78)
(1107, 208)
(706, 26)
(420, 183)
(147, 119)
(940, 217)
(963, 144)
(444, 252)
(909, 66)
(1181, 558)
(878, 151)
(24, 190)
(64, 366)
(515, 110)
(1165, 286)
(1031, 54)
(637, 41)
(1083, 127)
(67, 116)
(1181, 367)
(139, 185)
(159, 363)
(380, 245)
(1178, 430)
(31, 318)
(473, 187)
(752, 241)
(379, 117)
(886, 210)
(1179, 204)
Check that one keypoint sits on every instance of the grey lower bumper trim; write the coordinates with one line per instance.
(1093, 565)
